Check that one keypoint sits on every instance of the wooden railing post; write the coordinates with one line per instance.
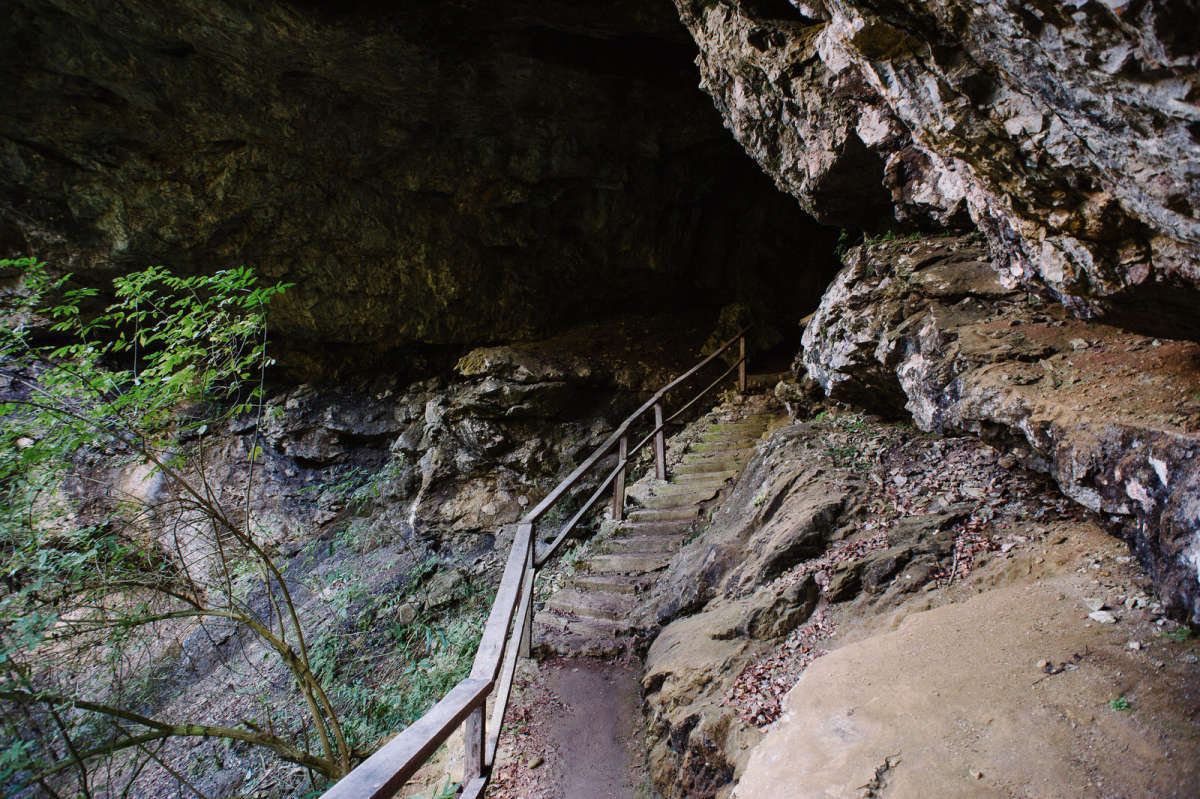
(660, 444)
(618, 508)
(742, 364)
(476, 744)
(526, 645)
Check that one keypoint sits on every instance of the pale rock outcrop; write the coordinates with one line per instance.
(952, 704)
(1068, 132)
(783, 510)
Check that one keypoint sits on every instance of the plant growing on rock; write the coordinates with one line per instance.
(103, 577)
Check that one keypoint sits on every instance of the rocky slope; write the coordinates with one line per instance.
(431, 175)
(914, 613)
(1114, 417)
(1068, 133)
(451, 458)
(971, 699)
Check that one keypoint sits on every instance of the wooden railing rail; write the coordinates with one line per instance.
(507, 634)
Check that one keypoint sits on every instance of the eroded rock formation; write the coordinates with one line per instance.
(1068, 132)
(476, 448)
(838, 529)
(1113, 416)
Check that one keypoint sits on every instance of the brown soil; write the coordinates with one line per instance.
(575, 732)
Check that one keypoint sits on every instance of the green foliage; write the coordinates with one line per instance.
(92, 570)
(845, 241)
(845, 453)
(182, 340)
(1120, 704)
(411, 666)
(125, 385)
(848, 457)
(916, 235)
(447, 790)
(847, 238)
(881, 238)
(851, 424)
(1178, 636)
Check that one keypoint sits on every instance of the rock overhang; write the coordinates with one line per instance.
(431, 176)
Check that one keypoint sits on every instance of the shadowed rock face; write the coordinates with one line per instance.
(430, 174)
(1068, 132)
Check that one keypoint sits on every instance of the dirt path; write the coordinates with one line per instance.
(599, 732)
(577, 733)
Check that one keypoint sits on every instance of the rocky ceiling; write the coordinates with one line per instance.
(430, 174)
(1068, 132)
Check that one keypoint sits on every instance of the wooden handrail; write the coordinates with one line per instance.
(386, 771)
(506, 636)
(540, 559)
(495, 633)
(603, 449)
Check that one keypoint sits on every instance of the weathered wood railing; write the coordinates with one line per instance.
(511, 619)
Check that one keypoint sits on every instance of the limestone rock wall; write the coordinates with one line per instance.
(431, 175)
(783, 510)
(476, 448)
(1069, 133)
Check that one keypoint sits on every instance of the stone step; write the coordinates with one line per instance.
(558, 635)
(652, 528)
(713, 466)
(725, 445)
(758, 425)
(748, 432)
(664, 515)
(643, 543)
(675, 499)
(734, 457)
(693, 484)
(702, 478)
(591, 604)
(613, 583)
(625, 562)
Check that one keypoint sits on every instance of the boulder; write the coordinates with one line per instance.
(781, 511)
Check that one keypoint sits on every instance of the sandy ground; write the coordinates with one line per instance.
(1016, 690)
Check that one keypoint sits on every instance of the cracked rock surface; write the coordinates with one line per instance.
(1112, 416)
(1067, 132)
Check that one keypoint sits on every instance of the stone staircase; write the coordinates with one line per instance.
(595, 613)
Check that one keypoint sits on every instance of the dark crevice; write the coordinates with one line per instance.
(1161, 310)
(852, 193)
(773, 11)
(642, 57)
